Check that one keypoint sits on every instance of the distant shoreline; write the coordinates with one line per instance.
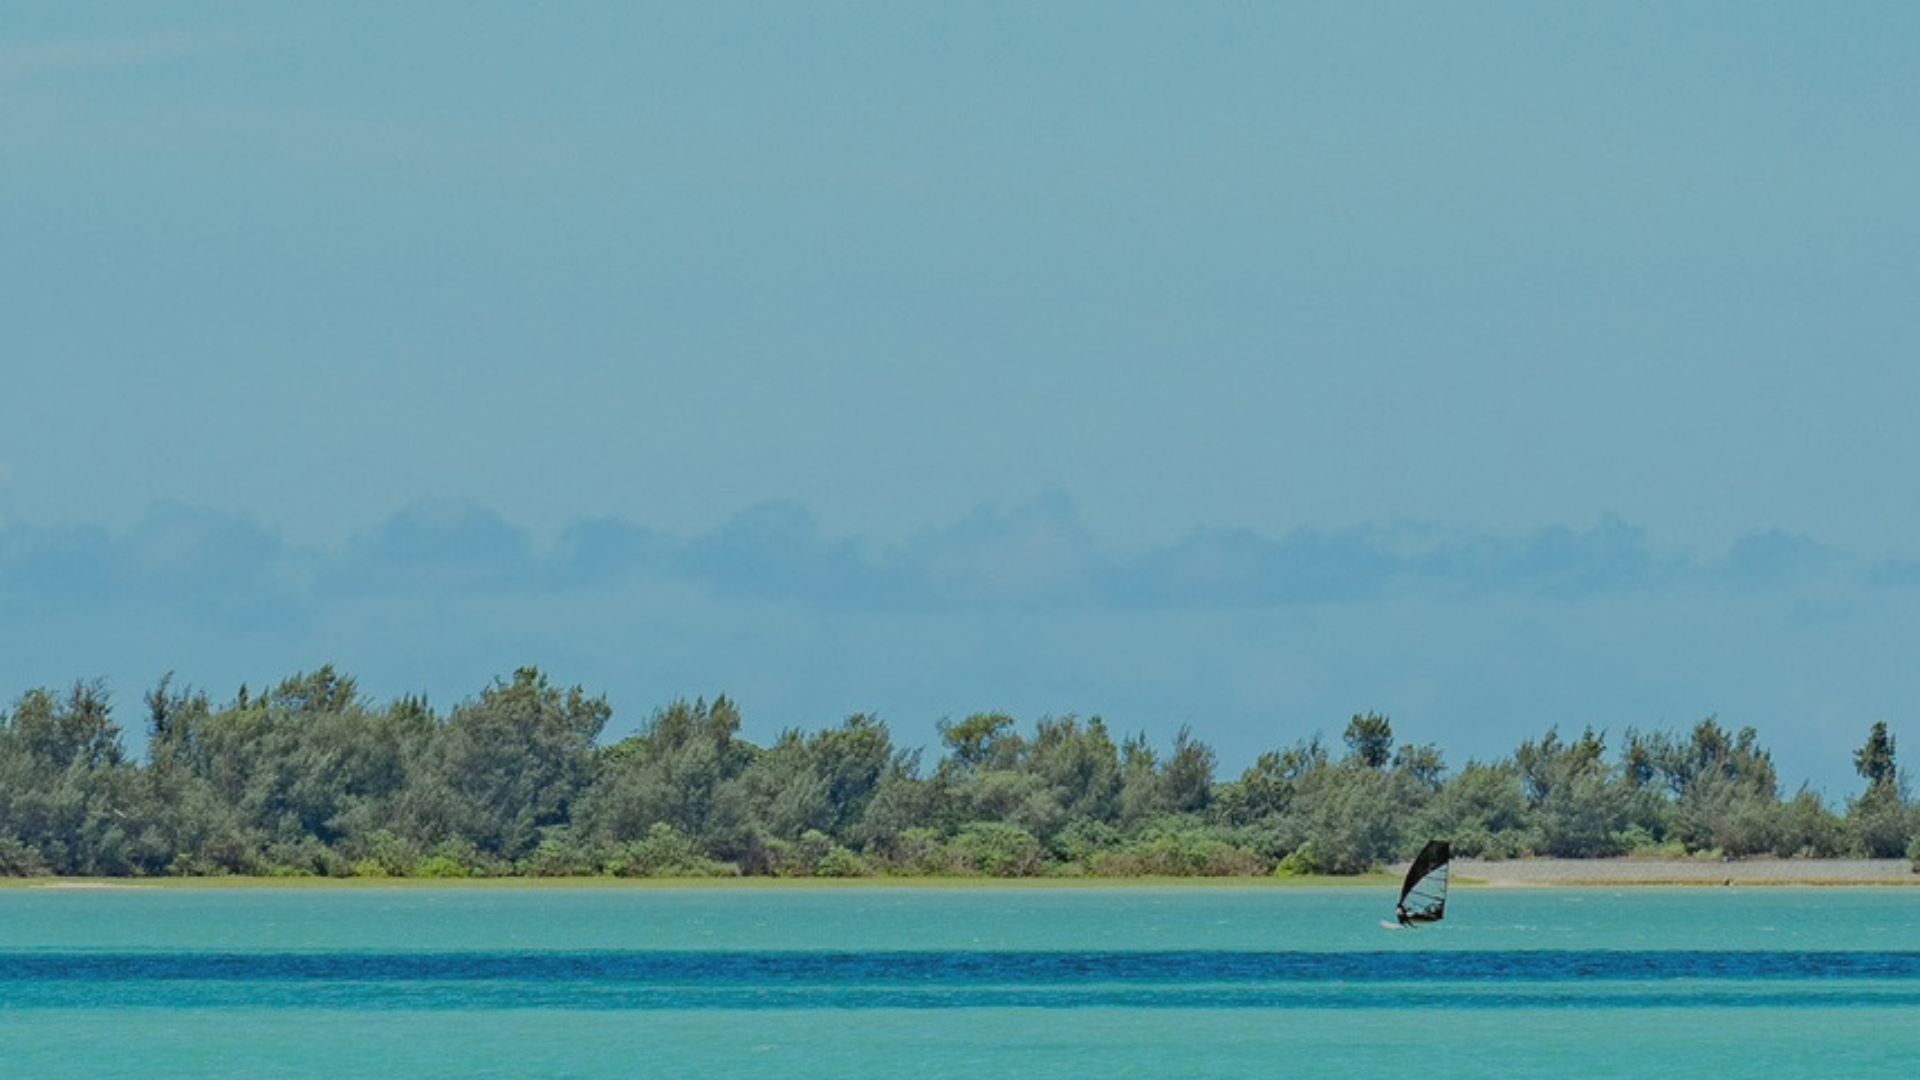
(750, 884)
(1490, 874)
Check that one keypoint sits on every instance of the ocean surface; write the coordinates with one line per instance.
(928, 983)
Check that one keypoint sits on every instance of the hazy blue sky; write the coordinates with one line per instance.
(1243, 365)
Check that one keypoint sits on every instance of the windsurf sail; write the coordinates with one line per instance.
(1423, 896)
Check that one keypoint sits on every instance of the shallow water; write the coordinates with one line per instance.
(969, 982)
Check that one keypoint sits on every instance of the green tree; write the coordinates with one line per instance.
(997, 849)
(1081, 764)
(67, 792)
(680, 768)
(1188, 778)
(312, 778)
(983, 741)
(1874, 759)
(1267, 790)
(510, 764)
(1578, 806)
(1483, 810)
(1804, 827)
(1351, 817)
(1880, 820)
(1423, 765)
(1369, 739)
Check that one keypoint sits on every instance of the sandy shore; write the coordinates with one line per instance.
(1521, 873)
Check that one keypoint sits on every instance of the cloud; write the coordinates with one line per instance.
(173, 561)
(775, 551)
(1028, 556)
(1774, 558)
(434, 547)
(1035, 553)
(1040, 554)
(1612, 556)
(65, 562)
(176, 550)
(1239, 568)
(600, 551)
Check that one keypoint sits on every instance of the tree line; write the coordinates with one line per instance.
(312, 778)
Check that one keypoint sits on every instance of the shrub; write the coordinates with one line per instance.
(1178, 853)
(815, 855)
(1300, 862)
(667, 852)
(1880, 824)
(453, 859)
(1082, 840)
(559, 856)
(382, 851)
(440, 866)
(841, 863)
(997, 849)
(307, 857)
(19, 860)
(1804, 827)
(918, 852)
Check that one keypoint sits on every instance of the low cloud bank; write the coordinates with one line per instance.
(1037, 555)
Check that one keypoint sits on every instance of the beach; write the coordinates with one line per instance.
(1534, 873)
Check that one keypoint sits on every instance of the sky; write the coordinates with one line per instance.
(1494, 366)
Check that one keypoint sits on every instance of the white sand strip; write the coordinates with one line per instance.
(1628, 871)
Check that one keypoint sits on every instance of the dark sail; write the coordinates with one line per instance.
(1423, 897)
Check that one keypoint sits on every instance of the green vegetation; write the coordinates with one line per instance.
(312, 780)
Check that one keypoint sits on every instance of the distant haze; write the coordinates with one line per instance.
(1491, 366)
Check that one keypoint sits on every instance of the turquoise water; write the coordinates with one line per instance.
(951, 983)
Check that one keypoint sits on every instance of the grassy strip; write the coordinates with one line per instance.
(708, 883)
